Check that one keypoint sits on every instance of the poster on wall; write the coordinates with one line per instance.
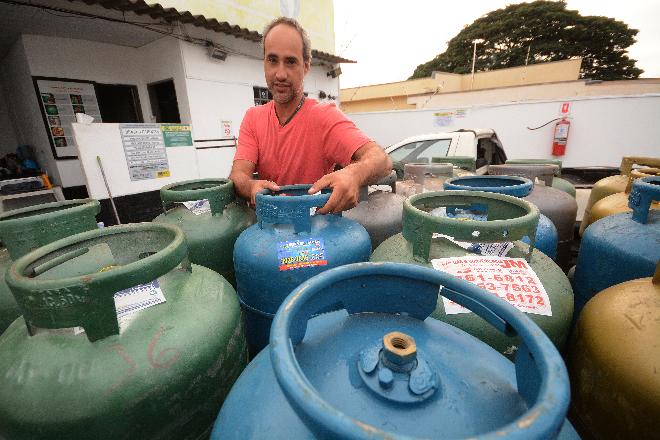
(60, 100)
(447, 117)
(144, 148)
(177, 135)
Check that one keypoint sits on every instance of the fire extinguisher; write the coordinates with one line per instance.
(560, 137)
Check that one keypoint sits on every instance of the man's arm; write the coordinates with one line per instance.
(244, 185)
(368, 164)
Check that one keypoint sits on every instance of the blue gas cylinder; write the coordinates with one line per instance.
(620, 247)
(287, 246)
(379, 367)
(546, 232)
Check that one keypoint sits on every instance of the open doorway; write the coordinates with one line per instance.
(164, 105)
(118, 103)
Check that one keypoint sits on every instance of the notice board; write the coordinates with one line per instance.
(136, 158)
(60, 100)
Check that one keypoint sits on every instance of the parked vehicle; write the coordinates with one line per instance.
(480, 143)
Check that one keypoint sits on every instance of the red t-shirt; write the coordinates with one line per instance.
(304, 150)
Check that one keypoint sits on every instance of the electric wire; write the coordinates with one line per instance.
(541, 126)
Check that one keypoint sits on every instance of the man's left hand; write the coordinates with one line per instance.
(345, 190)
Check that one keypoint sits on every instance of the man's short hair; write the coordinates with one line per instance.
(307, 44)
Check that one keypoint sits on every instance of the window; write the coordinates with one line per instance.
(422, 151)
(404, 150)
(261, 95)
(434, 148)
(490, 152)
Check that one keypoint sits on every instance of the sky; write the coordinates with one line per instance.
(389, 38)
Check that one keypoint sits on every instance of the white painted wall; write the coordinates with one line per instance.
(107, 64)
(602, 131)
(208, 91)
(23, 106)
(162, 60)
(8, 139)
(223, 91)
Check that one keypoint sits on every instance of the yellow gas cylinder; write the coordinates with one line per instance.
(614, 362)
(618, 202)
(614, 184)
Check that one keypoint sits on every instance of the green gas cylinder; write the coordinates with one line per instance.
(557, 182)
(211, 225)
(121, 338)
(614, 362)
(464, 165)
(24, 230)
(475, 235)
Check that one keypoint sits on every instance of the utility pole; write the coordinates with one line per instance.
(474, 59)
(527, 57)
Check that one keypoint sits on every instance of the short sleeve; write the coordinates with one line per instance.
(341, 137)
(248, 145)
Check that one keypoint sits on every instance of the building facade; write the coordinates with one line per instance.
(144, 62)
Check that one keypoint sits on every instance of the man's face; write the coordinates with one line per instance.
(283, 63)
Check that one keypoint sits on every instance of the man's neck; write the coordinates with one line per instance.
(286, 112)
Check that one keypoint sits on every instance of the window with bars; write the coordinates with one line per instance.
(261, 95)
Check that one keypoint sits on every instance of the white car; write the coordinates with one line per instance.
(481, 144)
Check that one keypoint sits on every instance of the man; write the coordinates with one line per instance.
(294, 140)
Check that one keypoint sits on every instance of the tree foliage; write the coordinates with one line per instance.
(550, 31)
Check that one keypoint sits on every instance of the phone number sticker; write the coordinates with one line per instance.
(297, 254)
(511, 279)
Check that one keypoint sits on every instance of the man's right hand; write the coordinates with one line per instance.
(245, 186)
(258, 185)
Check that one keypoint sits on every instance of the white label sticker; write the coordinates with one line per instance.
(499, 249)
(129, 302)
(136, 298)
(198, 207)
(511, 279)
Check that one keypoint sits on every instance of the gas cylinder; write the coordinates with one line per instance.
(546, 233)
(121, 338)
(613, 362)
(615, 184)
(488, 253)
(380, 368)
(24, 230)
(461, 164)
(618, 202)
(379, 211)
(557, 182)
(421, 177)
(287, 246)
(557, 205)
(620, 247)
(211, 227)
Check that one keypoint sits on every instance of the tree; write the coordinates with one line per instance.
(550, 32)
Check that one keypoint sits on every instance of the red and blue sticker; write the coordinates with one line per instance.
(297, 254)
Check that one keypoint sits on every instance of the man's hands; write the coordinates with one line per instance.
(244, 185)
(369, 163)
(345, 190)
(258, 185)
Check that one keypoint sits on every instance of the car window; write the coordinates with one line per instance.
(422, 151)
(435, 148)
(404, 150)
(490, 152)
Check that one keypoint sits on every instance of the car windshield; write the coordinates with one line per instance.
(421, 151)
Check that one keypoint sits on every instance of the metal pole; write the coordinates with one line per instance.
(527, 57)
(107, 187)
(474, 58)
